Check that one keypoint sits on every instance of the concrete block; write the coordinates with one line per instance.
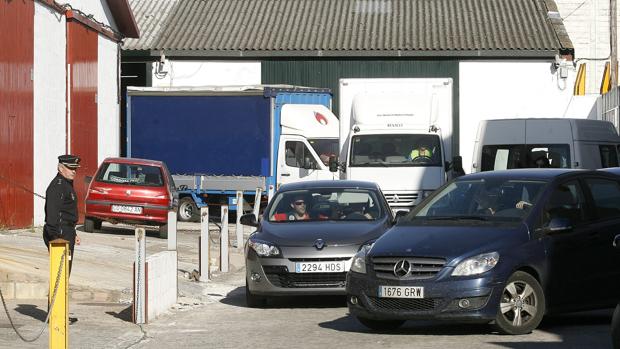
(31, 290)
(8, 289)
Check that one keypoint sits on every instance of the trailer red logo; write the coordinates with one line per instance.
(321, 118)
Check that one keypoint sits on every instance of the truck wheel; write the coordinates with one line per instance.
(188, 211)
(91, 224)
(522, 305)
(163, 231)
(381, 325)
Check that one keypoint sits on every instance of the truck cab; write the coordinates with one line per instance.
(397, 133)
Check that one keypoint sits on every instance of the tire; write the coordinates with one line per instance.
(163, 231)
(381, 325)
(97, 224)
(252, 300)
(615, 328)
(188, 211)
(522, 305)
(89, 225)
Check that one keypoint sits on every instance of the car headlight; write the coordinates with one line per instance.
(358, 264)
(476, 265)
(264, 248)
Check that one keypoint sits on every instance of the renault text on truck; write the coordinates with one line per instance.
(220, 140)
(397, 133)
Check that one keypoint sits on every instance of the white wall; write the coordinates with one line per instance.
(587, 24)
(108, 110)
(49, 100)
(500, 90)
(161, 283)
(98, 8)
(202, 73)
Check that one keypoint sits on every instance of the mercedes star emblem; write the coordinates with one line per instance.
(319, 244)
(401, 268)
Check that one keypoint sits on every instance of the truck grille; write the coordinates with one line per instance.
(420, 267)
(400, 304)
(401, 199)
(294, 280)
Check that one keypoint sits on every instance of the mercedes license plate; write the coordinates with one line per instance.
(319, 267)
(401, 292)
(127, 209)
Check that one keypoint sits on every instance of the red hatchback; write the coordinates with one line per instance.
(132, 191)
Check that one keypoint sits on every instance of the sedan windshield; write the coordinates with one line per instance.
(481, 200)
(326, 204)
(394, 150)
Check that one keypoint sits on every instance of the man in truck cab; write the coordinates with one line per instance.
(421, 151)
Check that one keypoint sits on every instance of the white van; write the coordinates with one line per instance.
(556, 143)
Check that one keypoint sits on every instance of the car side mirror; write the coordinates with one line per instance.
(88, 179)
(399, 215)
(249, 219)
(558, 225)
(333, 164)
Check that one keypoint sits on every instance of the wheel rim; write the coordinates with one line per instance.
(186, 210)
(519, 304)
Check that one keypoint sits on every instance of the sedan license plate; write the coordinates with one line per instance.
(127, 209)
(401, 292)
(320, 267)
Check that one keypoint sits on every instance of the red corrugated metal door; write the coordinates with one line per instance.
(82, 60)
(16, 112)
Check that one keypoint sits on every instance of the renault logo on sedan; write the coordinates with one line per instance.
(401, 268)
(319, 244)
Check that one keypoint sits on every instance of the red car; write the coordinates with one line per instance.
(132, 191)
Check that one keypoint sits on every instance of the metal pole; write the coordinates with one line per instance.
(139, 300)
(257, 198)
(172, 231)
(59, 332)
(238, 226)
(613, 40)
(224, 259)
(205, 248)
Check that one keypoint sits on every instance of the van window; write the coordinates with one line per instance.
(509, 156)
(548, 155)
(501, 157)
(609, 157)
(606, 195)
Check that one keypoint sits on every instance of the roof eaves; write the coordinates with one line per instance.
(123, 16)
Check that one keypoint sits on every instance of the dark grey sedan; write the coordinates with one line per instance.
(308, 235)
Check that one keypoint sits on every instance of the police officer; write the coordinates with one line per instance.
(61, 213)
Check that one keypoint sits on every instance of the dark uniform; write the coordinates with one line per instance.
(61, 212)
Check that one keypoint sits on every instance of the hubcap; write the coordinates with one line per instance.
(186, 210)
(519, 303)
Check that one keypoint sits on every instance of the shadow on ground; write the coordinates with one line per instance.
(125, 314)
(236, 298)
(32, 310)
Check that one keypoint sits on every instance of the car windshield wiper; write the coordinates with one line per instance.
(457, 218)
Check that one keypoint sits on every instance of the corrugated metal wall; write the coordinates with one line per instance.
(82, 55)
(16, 112)
(326, 72)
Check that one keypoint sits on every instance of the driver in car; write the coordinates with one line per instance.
(422, 150)
(299, 211)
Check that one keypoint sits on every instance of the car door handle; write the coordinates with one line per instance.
(286, 174)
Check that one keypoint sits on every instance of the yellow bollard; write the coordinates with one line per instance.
(59, 336)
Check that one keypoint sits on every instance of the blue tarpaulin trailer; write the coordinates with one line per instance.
(214, 140)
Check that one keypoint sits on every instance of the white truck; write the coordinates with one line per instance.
(397, 133)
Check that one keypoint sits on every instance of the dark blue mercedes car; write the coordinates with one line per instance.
(503, 247)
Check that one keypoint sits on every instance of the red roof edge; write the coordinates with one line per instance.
(123, 16)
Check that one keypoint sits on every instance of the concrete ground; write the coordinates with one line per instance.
(214, 315)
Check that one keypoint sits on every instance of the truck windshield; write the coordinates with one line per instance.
(481, 200)
(325, 147)
(323, 204)
(395, 150)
